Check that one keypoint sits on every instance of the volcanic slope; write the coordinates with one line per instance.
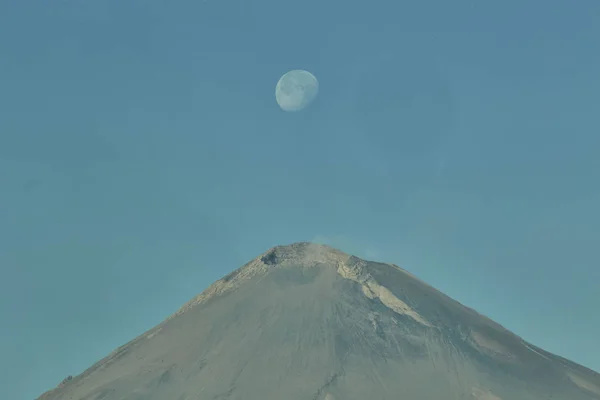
(308, 322)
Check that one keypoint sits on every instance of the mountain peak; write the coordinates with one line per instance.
(299, 255)
(306, 321)
(303, 253)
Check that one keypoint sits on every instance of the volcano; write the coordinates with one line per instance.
(308, 322)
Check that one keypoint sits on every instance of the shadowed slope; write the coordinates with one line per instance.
(309, 322)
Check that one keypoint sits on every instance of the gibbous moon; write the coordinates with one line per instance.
(296, 89)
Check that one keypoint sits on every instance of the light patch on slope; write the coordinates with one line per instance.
(583, 383)
(535, 351)
(480, 394)
(373, 290)
(153, 333)
(491, 346)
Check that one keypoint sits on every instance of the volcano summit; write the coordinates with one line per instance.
(308, 322)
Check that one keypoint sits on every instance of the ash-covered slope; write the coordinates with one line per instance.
(307, 322)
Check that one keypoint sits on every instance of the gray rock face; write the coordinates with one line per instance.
(308, 322)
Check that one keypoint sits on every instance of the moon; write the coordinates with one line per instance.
(296, 89)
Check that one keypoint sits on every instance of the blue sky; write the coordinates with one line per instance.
(143, 156)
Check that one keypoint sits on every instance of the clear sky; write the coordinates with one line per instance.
(143, 156)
